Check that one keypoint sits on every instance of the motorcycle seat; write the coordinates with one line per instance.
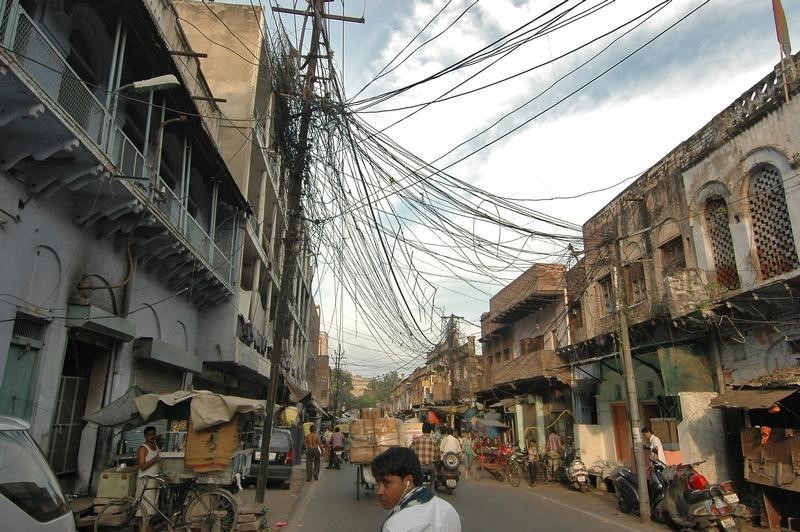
(696, 496)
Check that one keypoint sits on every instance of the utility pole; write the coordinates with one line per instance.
(452, 347)
(293, 214)
(337, 386)
(630, 382)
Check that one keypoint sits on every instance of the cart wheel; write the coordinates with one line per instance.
(214, 510)
(359, 480)
(120, 514)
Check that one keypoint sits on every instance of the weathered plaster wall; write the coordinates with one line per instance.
(757, 351)
(702, 436)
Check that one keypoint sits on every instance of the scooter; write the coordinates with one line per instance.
(576, 471)
(671, 502)
(447, 473)
(712, 505)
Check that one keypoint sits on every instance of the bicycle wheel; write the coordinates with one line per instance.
(211, 511)
(120, 514)
(541, 470)
(515, 474)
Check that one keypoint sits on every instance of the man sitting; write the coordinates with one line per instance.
(413, 507)
(426, 448)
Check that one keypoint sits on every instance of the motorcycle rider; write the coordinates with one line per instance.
(426, 449)
(336, 444)
(450, 443)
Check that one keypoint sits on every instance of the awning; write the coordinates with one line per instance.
(166, 354)
(504, 403)
(207, 408)
(751, 399)
(492, 423)
(119, 413)
(100, 321)
(296, 393)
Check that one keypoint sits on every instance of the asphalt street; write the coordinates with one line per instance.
(486, 505)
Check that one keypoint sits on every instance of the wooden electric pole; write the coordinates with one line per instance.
(289, 263)
(630, 382)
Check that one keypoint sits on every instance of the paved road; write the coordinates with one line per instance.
(485, 505)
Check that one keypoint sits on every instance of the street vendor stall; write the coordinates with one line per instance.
(207, 436)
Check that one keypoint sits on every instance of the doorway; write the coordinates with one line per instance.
(81, 390)
(622, 433)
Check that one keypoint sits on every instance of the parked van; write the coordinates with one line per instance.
(30, 496)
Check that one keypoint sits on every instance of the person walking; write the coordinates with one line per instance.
(533, 457)
(414, 508)
(313, 453)
(469, 453)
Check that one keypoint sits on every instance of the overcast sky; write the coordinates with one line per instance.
(616, 127)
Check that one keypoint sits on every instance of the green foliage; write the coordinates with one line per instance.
(377, 391)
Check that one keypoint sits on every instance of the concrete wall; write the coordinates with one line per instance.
(702, 436)
(596, 443)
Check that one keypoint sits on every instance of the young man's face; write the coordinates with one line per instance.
(150, 436)
(392, 488)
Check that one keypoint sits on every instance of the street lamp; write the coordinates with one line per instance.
(167, 81)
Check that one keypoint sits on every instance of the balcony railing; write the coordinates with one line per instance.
(40, 59)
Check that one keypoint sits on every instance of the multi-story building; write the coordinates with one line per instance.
(121, 222)
(525, 325)
(704, 248)
(239, 67)
(134, 217)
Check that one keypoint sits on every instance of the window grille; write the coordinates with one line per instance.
(772, 229)
(719, 233)
(636, 290)
(29, 329)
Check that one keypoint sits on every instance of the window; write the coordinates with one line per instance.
(497, 357)
(719, 234)
(617, 392)
(650, 389)
(529, 345)
(507, 354)
(19, 377)
(772, 229)
(635, 290)
(606, 295)
(672, 256)
(576, 316)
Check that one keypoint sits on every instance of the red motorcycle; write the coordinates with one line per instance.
(711, 504)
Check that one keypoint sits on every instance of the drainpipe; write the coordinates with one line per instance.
(716, 358)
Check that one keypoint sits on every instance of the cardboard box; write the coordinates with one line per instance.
(114, 484)
(371, 413)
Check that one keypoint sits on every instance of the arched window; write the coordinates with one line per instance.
(772, 229)
(719, 233)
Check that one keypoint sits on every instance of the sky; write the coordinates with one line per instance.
(582, 130)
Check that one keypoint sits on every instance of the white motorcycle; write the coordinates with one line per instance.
(577, 472)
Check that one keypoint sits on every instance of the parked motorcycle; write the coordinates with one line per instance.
(576, 472)
(712, 505)
(447, 472)
(671, 500)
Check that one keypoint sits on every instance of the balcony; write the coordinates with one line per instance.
(54, 115)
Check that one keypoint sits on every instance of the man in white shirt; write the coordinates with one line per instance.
(414, 508)
(450, 444)
(656, 447)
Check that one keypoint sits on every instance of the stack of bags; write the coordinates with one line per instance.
(371, 436)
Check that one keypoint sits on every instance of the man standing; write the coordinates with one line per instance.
(313, 454)
(554, 441)
(656, 447)
(414, 508)
(426, 449)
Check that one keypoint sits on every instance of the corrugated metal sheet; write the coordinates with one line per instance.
(751, 399)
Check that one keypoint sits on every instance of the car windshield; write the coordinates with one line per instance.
(25, 478)
(278, 442)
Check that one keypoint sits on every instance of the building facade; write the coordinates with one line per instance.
(700, 253)
(129, 233)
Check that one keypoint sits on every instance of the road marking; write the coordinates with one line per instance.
(585, 512)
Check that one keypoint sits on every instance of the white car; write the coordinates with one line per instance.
(30, 496)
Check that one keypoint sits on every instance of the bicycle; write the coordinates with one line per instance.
(212, 510)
